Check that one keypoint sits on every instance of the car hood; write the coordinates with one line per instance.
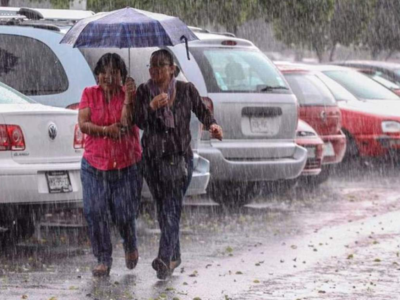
(383, 108)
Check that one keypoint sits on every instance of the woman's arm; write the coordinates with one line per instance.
(204, 114)
(128, 110)
(87, 127)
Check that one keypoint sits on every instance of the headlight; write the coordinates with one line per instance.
(390, 127)
(303, 133)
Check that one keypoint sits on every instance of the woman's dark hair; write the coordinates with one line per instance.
(114, 60)
(164, 54)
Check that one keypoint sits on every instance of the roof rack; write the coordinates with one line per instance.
(45, 14)
(202, 30)
(15, 21)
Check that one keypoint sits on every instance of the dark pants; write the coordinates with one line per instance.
(168, 196)
(114, 195)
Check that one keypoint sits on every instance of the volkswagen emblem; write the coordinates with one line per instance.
(52, 131)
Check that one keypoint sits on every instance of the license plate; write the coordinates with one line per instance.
(269, 126)
(58, 182)
(328, 150)
(310, 152)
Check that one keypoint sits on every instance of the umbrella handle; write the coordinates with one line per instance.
(184, 38)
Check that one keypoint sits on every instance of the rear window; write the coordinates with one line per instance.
(309, 90)
(361, 86)
(9, 96)
(30, 66)
(237, 70)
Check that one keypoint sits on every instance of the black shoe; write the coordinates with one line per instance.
(163, 270)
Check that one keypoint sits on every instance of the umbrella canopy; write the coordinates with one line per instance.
(128, 28)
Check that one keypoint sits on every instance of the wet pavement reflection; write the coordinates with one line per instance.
(269, 249)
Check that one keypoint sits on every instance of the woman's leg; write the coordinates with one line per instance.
(96, 210)
(126, 193)
(176, 254)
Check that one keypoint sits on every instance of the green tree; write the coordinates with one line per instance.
(304, 23)
(348, 24)
(383, 31)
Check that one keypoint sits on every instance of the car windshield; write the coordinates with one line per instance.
(10, 96)
(360, 85)
(228, 70)
(309, 90)
(385, 82)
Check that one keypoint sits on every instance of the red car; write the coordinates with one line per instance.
(309, 139)
(320, 110)
(370, 112)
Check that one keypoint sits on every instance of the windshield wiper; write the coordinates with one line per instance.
(272, 88)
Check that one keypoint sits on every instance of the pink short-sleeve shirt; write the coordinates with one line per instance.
(106, 153)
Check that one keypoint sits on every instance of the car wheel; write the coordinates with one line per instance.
(351, 147)
(320, 178)
(16, 228)
(233, 194)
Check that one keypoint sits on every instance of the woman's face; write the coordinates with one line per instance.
(110, 78)
(160, 69)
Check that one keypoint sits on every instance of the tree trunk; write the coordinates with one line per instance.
(320, 54)
(332, 52)
(389, 54)
(374, 53)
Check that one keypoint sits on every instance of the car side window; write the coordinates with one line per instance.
(30, 66)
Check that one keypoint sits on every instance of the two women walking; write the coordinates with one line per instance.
(112, 168)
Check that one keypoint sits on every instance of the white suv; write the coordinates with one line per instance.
(251, 101)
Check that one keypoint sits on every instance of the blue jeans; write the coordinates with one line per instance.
(114, 195)
(168, 196)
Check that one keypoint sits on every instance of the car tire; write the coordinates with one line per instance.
(323, 176)
(351, 147)
(233, 194)
(16, 227)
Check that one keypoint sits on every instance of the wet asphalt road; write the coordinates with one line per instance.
(337, 241)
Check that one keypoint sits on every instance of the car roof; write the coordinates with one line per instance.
(371, 63)
(45, 14)
(213, 39)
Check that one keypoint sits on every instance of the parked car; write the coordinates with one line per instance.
(308, 138)
(386, 73)
(250, 100)
(40, 154)
(370, 112)
(37, 65)
(318, 108)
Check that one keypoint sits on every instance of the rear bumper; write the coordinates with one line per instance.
(338, 142)
(254, 170)
(28, 184)
(377, 145)
(199, 183)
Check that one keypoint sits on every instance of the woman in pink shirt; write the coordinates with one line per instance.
(111, 179)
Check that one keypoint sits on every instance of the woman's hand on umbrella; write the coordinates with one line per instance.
(159, 101)
(216, 132)
(130, 89)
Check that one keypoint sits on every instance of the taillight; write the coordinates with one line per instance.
(79, 138)
(229, 43)
(11, 138)
(74, 106)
